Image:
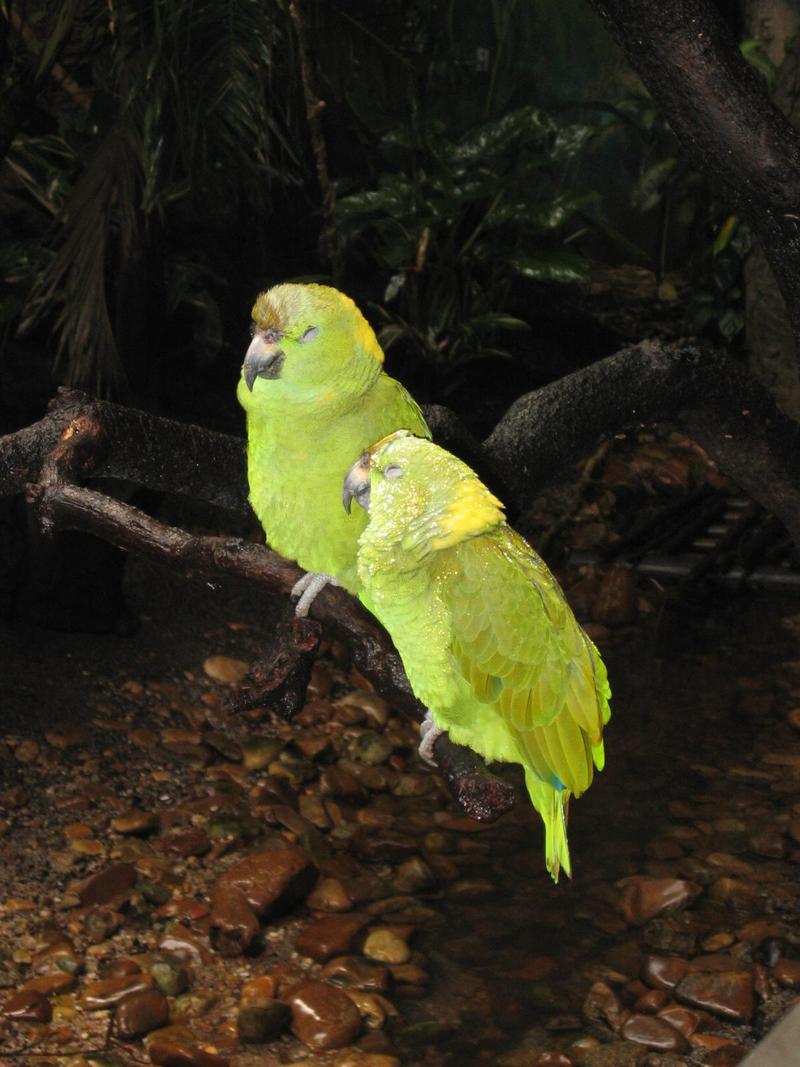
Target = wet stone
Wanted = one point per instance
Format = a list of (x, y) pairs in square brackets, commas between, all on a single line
[(135, 822), (787, 972), (259, 752), (190, 842), (664, 972), (371, 748), (170, 976), (139, 1013), (333, 935), (655, 1033), (643, 898), (225, 669), (108, 886), (357, 973), (234, 924), (340, 783), (271, 881), (262, 1020), (48, 984), (323, 1017), (685, 1020), (329, 895), (182, 1054), (98, 996), (59, 957), (386, 947), (651, 1002), (414, 875), (28, 1005), (602, 1004), (728, 994)]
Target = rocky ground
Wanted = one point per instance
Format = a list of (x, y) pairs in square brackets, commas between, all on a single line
[(188, 887)]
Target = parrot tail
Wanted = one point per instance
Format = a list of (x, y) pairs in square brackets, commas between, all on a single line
[(553, 806)]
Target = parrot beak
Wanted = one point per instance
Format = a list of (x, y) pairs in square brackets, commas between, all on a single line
[(264, 359), (356, 485)]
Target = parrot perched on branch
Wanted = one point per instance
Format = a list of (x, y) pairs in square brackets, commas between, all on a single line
[(488, 641), (316, 397)]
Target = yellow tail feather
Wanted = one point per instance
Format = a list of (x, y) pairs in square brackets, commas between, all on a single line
[(553, 807)]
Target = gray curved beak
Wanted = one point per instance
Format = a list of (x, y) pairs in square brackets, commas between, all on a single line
[(264, 359), (356, 485)]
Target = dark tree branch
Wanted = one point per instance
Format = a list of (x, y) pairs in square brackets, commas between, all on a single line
[(62, 505), (719, 108), (704, 390)]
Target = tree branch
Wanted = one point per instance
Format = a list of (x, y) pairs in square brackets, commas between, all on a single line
[(719, 108)]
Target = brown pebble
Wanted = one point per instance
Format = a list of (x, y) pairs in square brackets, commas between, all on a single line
[(603, 1004), (179, 1054), (358, 973), (67, 735), (651, 1002), (664, 972), (787, 972), (234, 924), (225, 669), (323, 1017), (111, 885), (139, 1013), (655, 1033), (329, 895), (135, 822), (57, 982), (97, 996), (725, 993), (386, 946), (685, 1020), (643, 898), (28, 1005), (333, 935), (271, 880)]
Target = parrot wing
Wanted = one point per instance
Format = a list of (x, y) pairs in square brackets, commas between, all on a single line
[(519, 647)]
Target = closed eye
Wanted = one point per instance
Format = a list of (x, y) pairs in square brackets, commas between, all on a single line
[(309, 334), (393, 471)]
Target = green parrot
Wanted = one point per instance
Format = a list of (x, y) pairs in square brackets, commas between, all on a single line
[(315, 395), (489, 643)]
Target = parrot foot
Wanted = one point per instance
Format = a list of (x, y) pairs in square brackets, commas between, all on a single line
[(430, 734), (307, 589)]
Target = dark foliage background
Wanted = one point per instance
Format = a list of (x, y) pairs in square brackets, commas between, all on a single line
[(495, 172)]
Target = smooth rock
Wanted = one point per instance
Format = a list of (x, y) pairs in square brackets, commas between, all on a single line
[(323, 1017), (58, 982), (787, 972), (664, 972), (135, 821), (180, 1054), (272, 880), (234, 924), (371, 748), (331, 936), (685, 1020), (655, 1033), (728, 994), (386, 947), (225, 669), (603, 1004), (139, 1013), (643, 898), (355, 972), (109, 886), (259, 752), (329, 894), (28, 1005), (651, 1002), (262, 1020), (97, 996)]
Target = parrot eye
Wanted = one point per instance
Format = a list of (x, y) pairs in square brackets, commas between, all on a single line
[(309, 334), (393, 471)]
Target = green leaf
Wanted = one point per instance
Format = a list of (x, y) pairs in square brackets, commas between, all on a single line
[(731, 322), (753, 51), (724, 234), (649, 189), (559, 265), (525, 124)]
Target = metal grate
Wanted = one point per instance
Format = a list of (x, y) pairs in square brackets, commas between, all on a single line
[(707, 535)]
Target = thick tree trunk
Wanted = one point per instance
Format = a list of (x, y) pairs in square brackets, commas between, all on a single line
[(720, 110)]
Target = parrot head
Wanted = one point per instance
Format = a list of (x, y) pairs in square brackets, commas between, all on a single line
[(420, 498), (308, 339)]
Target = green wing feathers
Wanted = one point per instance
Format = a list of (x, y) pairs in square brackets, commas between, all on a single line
[(518, 645)]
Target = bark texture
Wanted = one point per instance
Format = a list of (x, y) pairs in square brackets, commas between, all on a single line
[(720, 110)]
